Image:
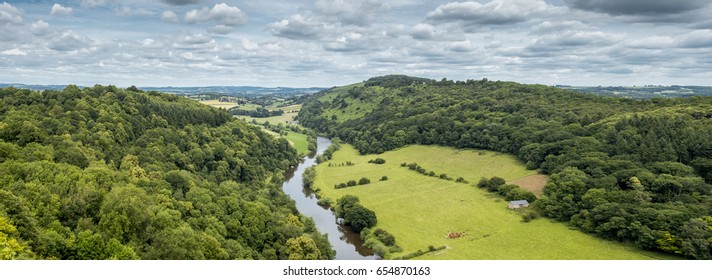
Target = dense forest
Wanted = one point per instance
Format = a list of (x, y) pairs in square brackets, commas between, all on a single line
[(108, 173), (637, 171)]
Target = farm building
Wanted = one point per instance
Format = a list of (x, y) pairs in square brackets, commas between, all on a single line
[(516, 204)]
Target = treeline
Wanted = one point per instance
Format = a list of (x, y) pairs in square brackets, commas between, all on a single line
[(107, 173), (257, 113), (630, 170)]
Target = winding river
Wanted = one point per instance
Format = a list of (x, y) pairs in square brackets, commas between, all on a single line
[(348, 244)]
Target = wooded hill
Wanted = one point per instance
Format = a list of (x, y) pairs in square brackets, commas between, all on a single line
[(635, 171), (107, 173)]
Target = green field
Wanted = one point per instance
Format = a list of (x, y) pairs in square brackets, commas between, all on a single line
[(298, 141), (287, 117), (421, 210)]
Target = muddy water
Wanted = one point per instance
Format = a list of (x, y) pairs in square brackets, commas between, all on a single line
[(348, 244)]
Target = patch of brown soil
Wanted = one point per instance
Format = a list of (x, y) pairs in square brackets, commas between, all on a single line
[(533, 183)]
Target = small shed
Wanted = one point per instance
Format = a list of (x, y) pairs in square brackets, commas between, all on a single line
[(516, 204)]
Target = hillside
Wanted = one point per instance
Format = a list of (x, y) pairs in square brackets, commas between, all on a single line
[(107, 173), (629, 170)]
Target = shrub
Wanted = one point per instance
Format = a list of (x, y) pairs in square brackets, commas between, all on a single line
[(325, 201), (377, 161), (384, 178), (351, 183), (364, 181)]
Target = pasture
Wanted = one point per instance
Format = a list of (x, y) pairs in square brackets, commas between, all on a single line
[(219, 104), (420, 211)]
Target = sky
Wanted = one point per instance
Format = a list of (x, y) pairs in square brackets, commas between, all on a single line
[(335, 42)]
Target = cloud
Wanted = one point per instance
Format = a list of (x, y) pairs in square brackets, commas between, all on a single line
[(637, 7), (169, 16), (220, 13), (40, 28), (93, 3), (14, 52), (570, 41), (69, 41), (652, 43), (298, 27), (181, 2), (548, 27), (10, 14), (423, 31), (462, 46), (59, 10), (495, 12), (354, 12), (194, 39), (220, 29), (696, 39)]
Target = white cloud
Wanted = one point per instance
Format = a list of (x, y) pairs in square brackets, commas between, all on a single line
[(59, 10), (93, 3), (40, 27), (220, 29), (14, 52), (423, 31), (196, 39), (169, 16), (495, 12), (353, 12), (653, 42), (220, 13), (298, 27), (69, 41), (10, 14)]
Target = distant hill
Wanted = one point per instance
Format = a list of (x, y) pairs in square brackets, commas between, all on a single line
[(217, 90), (644, 92)]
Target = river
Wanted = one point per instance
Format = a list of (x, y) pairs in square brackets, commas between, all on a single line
[(348, 244)]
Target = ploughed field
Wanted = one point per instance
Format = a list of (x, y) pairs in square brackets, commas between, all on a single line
[(421, 211)]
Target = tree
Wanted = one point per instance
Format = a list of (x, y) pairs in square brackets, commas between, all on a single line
[(303, 248), (10, 247), (364, 181), (359, 217)]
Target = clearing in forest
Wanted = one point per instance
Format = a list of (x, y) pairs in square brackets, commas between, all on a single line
[(534, 183), (421, 210)]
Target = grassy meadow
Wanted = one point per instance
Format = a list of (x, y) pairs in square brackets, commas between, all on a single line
[(219, 104), (290, 112), (421, 210)]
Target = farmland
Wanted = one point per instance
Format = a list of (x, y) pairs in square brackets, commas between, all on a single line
[(421, 210)]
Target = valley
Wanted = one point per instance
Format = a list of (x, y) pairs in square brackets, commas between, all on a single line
[(421, 210)]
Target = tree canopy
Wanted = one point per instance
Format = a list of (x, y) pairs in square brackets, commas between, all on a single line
[(107, 173)]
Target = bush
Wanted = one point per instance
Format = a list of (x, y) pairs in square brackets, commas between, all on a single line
[(377, 161), (325, 201), (351, 183), (403, 164), (384, 178), (385, 237), (364, 181)]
